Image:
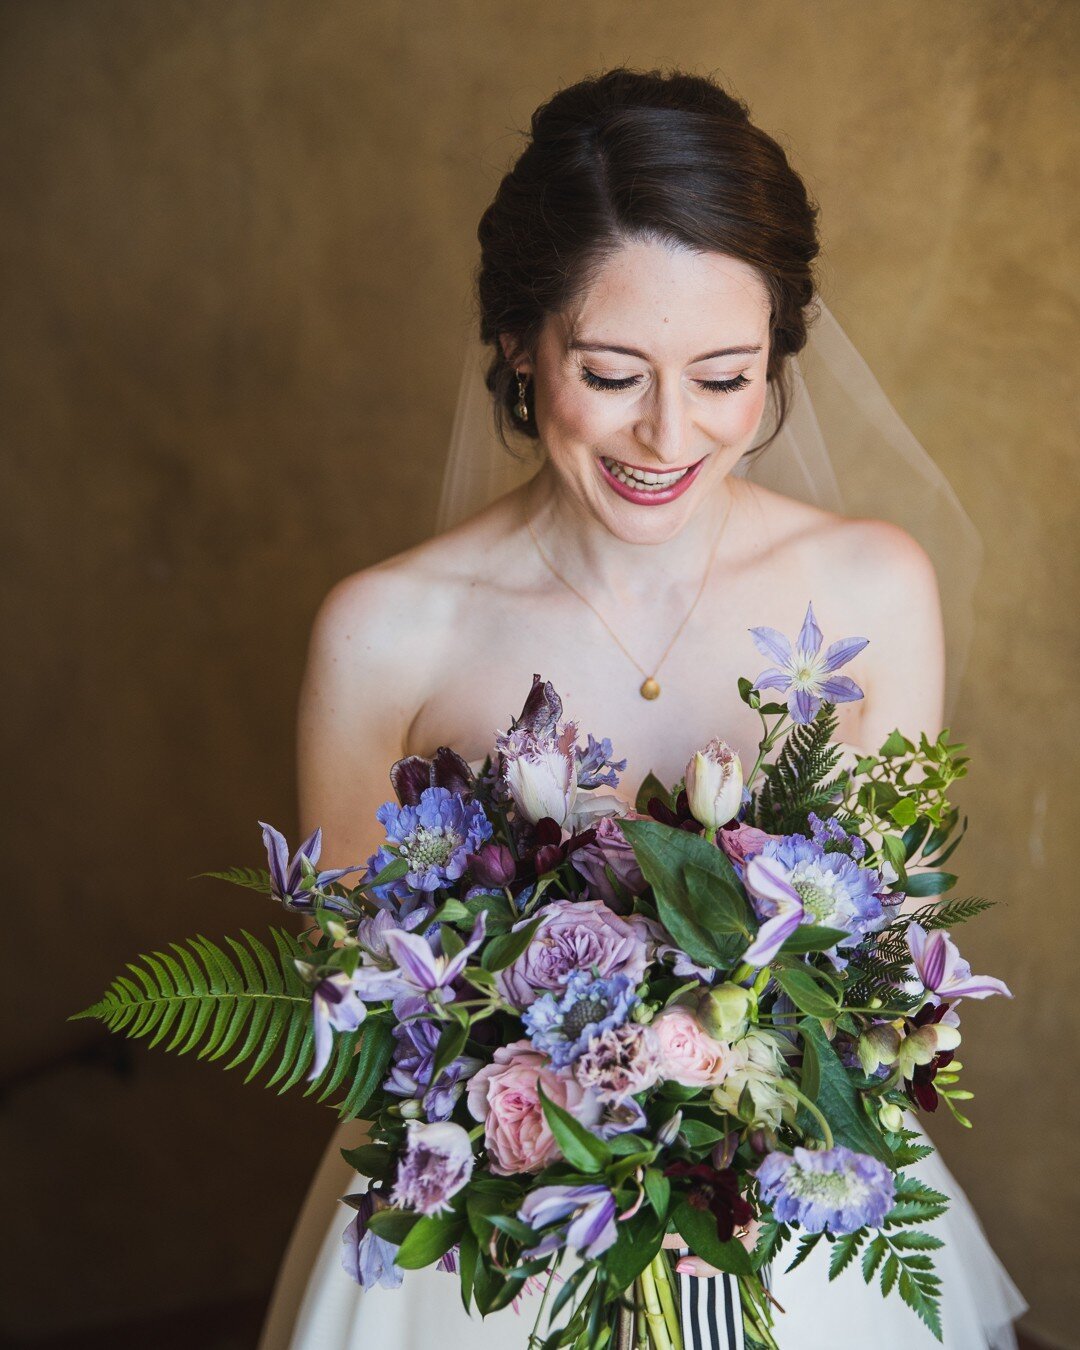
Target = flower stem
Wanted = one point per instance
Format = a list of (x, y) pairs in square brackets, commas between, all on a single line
[(534, 1335), (826, 1133), (662, 1277), (654, 1316), (757, 1317)]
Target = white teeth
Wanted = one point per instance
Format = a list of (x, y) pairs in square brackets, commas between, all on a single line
[(643, 479)]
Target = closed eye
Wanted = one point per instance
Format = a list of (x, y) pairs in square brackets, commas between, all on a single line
[(713, 386)]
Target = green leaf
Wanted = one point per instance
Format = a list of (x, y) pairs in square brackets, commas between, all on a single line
[(807, 1243), (393, 871), (370, 1160), (697, 892), (812, 937), (905, 812), (428, 1239), (838, 1100), (580, 1147), (504, 951), (394, 1225), (805, 992), (371, 1064), (699, 1134), (634, 1247), (929, 883), (873, 1257), (657, 1191), (468, 1250), (844, 1251), (451, 1043), (255, 1007), (651, 787), (697, 1227), (251, 878)]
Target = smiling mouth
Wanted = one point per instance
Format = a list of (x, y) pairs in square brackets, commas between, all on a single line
[(645, 480)]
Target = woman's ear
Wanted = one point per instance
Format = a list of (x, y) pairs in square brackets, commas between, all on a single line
[(511, 349)]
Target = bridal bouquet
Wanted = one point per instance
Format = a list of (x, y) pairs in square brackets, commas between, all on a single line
[(577, 1027)]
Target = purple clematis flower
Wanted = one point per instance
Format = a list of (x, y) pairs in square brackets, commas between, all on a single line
[(805, 673), (287, 875), (368, 1258), (339, 1003), (943, 971), (591, 1229), (423, 972), (417, 1038)]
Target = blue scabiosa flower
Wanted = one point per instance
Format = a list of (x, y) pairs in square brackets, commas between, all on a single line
[(792, 881), (804, 673), (838, 1190), (435, 836), (561, 1025)]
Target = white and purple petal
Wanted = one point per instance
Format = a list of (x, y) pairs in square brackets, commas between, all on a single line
[(770, 642)]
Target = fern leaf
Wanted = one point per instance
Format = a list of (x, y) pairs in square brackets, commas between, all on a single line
[(251, 878), (204, 998), (799, 780)]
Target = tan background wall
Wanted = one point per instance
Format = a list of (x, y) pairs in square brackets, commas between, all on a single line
[(238, 237)]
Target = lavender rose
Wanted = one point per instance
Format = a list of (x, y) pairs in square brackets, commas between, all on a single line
[(575, 935), (609, 849)]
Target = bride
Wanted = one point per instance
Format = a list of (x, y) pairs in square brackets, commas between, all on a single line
[(644, 287)]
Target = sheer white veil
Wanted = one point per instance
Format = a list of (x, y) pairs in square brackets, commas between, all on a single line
[(843, 447)]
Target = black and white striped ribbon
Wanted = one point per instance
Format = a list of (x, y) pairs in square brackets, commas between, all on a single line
[(711, 1312)]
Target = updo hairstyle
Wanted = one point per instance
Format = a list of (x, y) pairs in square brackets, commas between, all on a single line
[(640, 155)]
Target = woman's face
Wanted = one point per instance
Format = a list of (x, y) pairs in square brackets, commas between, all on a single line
[(649, 391)]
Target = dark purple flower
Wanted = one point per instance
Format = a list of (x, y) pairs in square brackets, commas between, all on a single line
[(410, 776), (591, 1213), (835, 1190), (716, 1191), (287, 875), (805, 673), (610, 850), (435, 837), (493, 866)]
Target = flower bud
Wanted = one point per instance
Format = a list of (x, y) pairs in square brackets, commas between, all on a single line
[(669, 1131), (411, 1109), (714, 784), (891, 1116), (492, 866), (723, 1153), (725, 1011)]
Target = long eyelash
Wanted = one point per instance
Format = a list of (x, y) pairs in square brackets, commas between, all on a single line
[(713, 386)]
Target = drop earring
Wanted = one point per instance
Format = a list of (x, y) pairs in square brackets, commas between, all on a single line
[(521, 408)]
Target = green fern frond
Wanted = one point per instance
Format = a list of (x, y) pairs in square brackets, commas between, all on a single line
[(800, 779), (251, 878), (204, 999)]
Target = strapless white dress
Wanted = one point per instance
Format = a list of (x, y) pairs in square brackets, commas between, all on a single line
[(317, 1306)]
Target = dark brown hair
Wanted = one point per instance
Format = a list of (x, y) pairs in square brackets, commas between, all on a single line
[(640, 155)]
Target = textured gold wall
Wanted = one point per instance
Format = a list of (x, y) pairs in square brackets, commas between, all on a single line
[(238, 237)]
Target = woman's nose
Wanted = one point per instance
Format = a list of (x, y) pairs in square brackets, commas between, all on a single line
[(663, 427)]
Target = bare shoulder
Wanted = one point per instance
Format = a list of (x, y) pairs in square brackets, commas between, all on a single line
[(386, 628), (871, 578)]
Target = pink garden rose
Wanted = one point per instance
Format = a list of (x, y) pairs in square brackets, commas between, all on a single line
[(575, 935), (688, 1054), (504, 1096), (611, 849)]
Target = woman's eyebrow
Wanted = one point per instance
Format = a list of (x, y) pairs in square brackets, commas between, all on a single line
[(579, 345)]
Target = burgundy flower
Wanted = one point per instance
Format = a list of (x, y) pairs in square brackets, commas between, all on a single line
[(920, 1086), (411, 775), (547, 848), (716, 1190), (680, 818)]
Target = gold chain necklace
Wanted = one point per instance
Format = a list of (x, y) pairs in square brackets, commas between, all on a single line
[(650, 686)]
